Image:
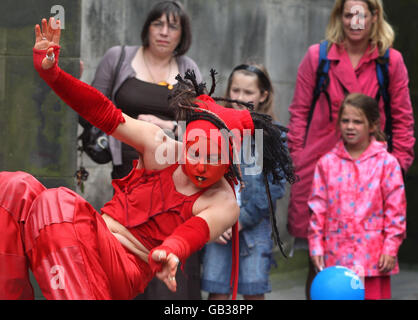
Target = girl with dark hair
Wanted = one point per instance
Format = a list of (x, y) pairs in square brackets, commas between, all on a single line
[(358, 201), (249, 83)]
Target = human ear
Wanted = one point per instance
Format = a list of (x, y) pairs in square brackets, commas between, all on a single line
[(264, 95), (372, 128)]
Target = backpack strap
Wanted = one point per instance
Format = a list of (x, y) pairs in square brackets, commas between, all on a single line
[(321, 84), (117, 70), (382, 73)]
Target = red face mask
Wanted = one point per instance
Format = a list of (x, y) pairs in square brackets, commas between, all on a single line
[(203, 162)]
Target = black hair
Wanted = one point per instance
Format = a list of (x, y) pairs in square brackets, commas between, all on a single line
[(276, 157), (168, 8)]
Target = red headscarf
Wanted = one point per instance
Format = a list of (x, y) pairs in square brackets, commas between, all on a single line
[(235, 120)]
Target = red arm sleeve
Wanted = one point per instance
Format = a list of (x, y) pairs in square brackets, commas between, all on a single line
[(185, 240), (88, 102)]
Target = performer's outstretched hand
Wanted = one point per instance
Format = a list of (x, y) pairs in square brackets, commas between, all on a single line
[(47, 37), (169, 268)]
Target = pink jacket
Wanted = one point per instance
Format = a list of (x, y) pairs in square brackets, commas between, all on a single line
[(358, 208), (322, 134)]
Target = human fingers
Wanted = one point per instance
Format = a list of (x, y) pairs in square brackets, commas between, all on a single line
[(41, 43), (226, 235), (321, 263), (130, 246), (81, 68), (169, 280), (385, 263), (390, 263), (49, 29), (38, 33), (49, 59), (171, 283), (172, 264), (127, 234), (145, 117), (159, 255), (56, 32), (317, 262), (382, 264), (169, 269), (221, 240), (44, 25)]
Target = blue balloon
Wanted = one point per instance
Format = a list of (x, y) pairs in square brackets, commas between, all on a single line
[(337, 283)]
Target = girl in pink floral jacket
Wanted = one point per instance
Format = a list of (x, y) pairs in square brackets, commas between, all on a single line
[(358, 201)]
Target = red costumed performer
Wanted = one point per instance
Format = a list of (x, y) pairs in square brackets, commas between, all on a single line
[(160, 212)]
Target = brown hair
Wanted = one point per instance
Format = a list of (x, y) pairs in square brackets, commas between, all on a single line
[(264, 84), (168, 8), (370, 109), (382, 34)]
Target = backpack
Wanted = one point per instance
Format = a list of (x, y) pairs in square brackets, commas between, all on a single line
[(322, 82)]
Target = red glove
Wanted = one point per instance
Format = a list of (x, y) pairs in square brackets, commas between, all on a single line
[(186, 239), (88, 102)]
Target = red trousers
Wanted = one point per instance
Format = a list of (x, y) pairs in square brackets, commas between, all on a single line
[(65, 242), (377, 288)]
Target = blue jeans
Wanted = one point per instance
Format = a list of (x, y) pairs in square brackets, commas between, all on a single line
[(254, 267)]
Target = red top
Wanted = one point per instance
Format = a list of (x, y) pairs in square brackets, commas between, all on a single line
[(148, 204)]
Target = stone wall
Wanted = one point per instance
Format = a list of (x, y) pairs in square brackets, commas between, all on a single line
[(226, 33), (38, 132)]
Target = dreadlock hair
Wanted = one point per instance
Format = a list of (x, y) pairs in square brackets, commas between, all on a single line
[(275, 152), (276, 158)]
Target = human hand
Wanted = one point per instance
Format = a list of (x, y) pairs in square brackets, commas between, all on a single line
[(169, 268), (225, 237), (126, 238), (81, 68), (163, 124), (386, 263), (47, 37), (318, 262)]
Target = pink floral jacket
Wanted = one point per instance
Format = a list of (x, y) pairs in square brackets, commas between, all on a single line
[(358, 208)]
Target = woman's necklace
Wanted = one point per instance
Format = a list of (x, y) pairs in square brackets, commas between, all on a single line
[(161, 83)]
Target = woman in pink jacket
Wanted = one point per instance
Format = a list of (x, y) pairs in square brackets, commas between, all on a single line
[(358, 201), (353, 53)]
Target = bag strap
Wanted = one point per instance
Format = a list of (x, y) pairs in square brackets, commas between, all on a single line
[(85, 124), (382, 73), (117, 70), (321, 84)]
